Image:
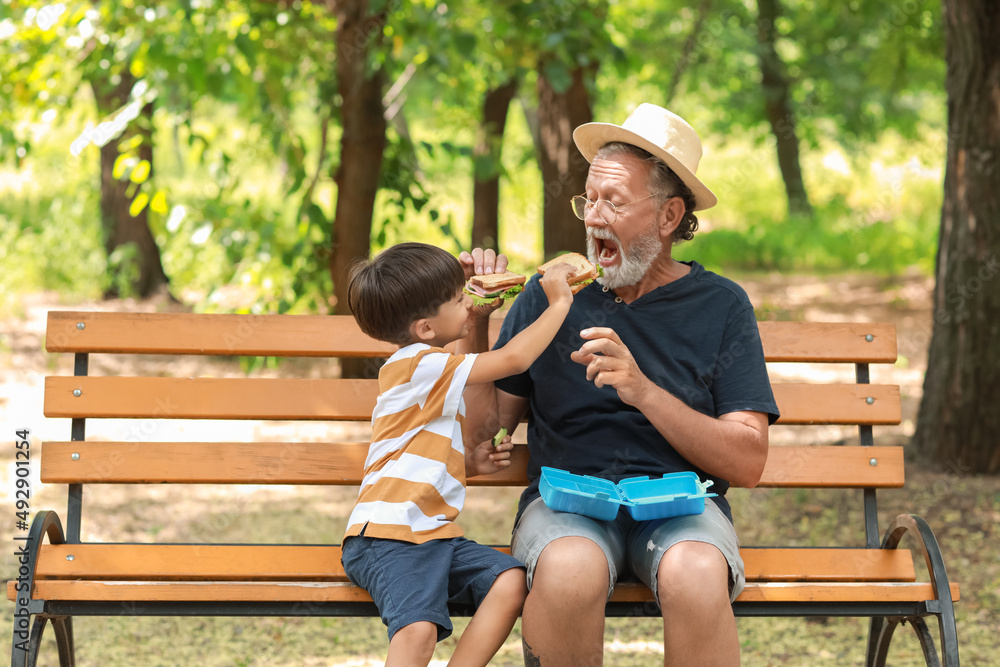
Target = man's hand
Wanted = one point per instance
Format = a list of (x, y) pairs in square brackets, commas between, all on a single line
[(486, 459), (609, 363), (482, 262)]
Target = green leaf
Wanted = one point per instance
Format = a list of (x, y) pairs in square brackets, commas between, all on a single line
[(140, 172), (558, 75), (159, 203), (121, 164), (138, 204), (465, 43)]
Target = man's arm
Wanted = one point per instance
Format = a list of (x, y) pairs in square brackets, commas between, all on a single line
[(732, 446)]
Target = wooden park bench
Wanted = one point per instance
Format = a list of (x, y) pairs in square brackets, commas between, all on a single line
[(67, 577)]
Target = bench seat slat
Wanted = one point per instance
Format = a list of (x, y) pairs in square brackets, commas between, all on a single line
[(322, 563), (343, 463), (339, 336), (353, 400), (336, 591)]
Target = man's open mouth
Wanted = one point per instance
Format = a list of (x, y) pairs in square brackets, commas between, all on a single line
[(607, 251)]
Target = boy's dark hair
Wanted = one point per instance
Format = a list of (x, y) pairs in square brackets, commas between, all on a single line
[(401, 285)]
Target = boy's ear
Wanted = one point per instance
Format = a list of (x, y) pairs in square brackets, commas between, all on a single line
[(421, 330)]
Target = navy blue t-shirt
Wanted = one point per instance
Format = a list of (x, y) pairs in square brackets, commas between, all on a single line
[(695, 337)]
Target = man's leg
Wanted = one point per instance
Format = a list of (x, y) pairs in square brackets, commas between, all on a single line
[(698, 623), (693, 565), (572, 561), (563, 618)]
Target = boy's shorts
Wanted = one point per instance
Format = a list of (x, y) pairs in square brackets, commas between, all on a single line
[(415, 582), (629, 545)]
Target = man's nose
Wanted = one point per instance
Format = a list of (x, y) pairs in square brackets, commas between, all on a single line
[(592, 218)]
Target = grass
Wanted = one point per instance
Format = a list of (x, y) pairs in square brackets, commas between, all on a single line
[(965, 513)]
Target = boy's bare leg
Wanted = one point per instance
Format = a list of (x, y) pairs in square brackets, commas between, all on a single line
[(412, 645), (563, 620), (491, 624), (699, 627)]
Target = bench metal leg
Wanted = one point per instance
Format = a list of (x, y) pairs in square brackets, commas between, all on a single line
[(35, 642), (879, 637), (882, 630), (926, 642), (63, 628), (45, 524), (942, 606)]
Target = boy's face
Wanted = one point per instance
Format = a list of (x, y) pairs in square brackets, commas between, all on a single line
[(450, 323)]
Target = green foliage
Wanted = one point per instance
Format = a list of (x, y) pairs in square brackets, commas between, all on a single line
[(48, 242), (240, 187)]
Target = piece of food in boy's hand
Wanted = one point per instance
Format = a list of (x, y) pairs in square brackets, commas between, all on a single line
[(498, 438), (489, 287), (584, 271)]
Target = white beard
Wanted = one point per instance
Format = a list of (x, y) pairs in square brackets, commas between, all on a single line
[(634, 261)]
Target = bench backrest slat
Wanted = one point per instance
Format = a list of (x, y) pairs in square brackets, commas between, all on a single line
[(343, 463), (339, 336), (829, 342), (353, 400)]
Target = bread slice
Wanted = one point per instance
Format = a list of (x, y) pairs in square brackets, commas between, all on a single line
[(584, 271), (491, 282)]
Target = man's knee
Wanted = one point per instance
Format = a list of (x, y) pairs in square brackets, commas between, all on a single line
[(692, 573), (572, 568)]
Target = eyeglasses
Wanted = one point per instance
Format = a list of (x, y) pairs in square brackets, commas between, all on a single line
[(606, 211)]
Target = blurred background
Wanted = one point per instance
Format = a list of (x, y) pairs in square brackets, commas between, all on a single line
[(237, 154)]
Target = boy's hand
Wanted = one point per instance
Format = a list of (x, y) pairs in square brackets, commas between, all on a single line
[(487, 459), (555, 282)]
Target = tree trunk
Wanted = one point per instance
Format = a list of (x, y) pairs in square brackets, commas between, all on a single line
[(778, 108), (564, 169), (958, 421), (486, 160), (120, 227), (361, 146), (684, 59)]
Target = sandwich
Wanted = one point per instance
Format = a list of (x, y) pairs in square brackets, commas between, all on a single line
[(584, 272), (492, 286)]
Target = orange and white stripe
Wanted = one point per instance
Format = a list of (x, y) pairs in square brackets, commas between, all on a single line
[(414, 480)]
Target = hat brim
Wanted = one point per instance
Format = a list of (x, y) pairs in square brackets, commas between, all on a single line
[(590, 137)]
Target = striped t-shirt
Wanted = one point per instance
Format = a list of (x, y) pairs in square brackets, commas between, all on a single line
[(414, 479)]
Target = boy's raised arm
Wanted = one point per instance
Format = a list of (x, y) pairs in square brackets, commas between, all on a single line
[(522, 350)]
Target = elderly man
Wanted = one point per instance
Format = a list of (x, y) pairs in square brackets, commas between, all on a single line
[(658, 369)]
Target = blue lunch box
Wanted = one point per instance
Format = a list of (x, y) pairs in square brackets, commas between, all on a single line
[(675, 494)]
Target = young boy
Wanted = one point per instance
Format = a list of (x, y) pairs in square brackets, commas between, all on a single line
[(402, 544)]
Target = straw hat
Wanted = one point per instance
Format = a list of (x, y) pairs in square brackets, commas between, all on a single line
[(663, 133)]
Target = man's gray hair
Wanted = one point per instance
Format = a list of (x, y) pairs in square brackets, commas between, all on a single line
[(663, 184)]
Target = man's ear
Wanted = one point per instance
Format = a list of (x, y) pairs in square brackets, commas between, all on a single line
[(670, 215), (422, 330)]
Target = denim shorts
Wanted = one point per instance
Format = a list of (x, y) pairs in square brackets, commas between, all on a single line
[(631, 547), (415, 582)]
